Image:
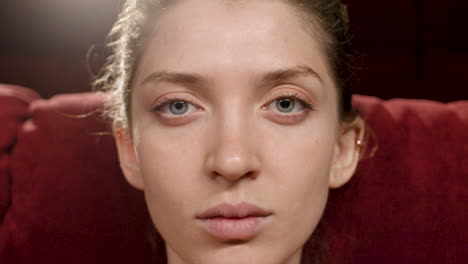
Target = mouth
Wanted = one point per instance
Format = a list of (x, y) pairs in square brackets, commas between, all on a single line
[(233, 222)]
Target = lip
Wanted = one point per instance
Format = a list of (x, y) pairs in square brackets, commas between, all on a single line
[(229, 222)]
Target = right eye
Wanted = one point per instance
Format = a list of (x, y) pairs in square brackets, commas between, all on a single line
[(179, 107), (174, 106)]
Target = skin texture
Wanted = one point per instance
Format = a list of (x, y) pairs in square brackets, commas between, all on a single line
[(233, 144)]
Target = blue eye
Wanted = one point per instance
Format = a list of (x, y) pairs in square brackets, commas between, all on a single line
[(174, 106), (178, 108), (285, 105), (290, 104)]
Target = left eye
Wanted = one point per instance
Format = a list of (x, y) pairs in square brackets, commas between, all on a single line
[(286, 105)]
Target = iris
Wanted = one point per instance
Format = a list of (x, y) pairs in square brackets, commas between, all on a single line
[(285, 105), (178, 108)]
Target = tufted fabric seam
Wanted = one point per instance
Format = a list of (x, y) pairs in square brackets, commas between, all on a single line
[(27, 97)]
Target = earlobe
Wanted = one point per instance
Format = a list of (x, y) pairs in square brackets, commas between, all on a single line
[(346, 154), (128, 158)]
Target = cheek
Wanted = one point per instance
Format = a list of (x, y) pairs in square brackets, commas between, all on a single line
[(171, 172), (299, 157), (298, 169)]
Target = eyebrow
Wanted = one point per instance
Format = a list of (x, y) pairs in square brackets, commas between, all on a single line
[(191, 79), (265, 79), (281, 75)]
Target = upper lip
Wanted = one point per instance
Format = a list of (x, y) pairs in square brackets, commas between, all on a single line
[(234, 211)]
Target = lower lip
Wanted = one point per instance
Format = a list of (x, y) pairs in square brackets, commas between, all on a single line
[(233, 228)]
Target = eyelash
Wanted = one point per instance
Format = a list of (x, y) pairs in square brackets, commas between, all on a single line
[(161, 102), (295, 97)]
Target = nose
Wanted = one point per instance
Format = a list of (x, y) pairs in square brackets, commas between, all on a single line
[(233, 153)]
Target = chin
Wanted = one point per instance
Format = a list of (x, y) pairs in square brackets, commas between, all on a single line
[(242, 253)]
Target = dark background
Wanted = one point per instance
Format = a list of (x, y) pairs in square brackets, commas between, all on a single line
[(410, 48)]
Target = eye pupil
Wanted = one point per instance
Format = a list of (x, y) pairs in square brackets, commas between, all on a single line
[(285, 105), (178, 108), (179, 105)]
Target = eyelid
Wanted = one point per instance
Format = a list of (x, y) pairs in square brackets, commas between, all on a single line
[(162, 101), (295, 95)]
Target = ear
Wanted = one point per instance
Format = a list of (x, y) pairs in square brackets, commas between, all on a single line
[(128, 157), (346, 153)]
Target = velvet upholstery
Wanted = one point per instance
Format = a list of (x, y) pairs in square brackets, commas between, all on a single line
[(63, 198)]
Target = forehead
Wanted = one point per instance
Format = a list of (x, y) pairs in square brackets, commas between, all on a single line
[(206, 36)]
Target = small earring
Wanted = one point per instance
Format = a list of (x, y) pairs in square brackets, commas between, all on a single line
[(359, 143)]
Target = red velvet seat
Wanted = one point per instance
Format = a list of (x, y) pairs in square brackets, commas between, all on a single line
[(63, 198)]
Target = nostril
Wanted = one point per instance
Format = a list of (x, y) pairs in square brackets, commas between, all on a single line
[(215, 174), (234, 176), (252, 174)]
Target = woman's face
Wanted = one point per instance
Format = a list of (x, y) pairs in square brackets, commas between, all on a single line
[(232, 105)]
